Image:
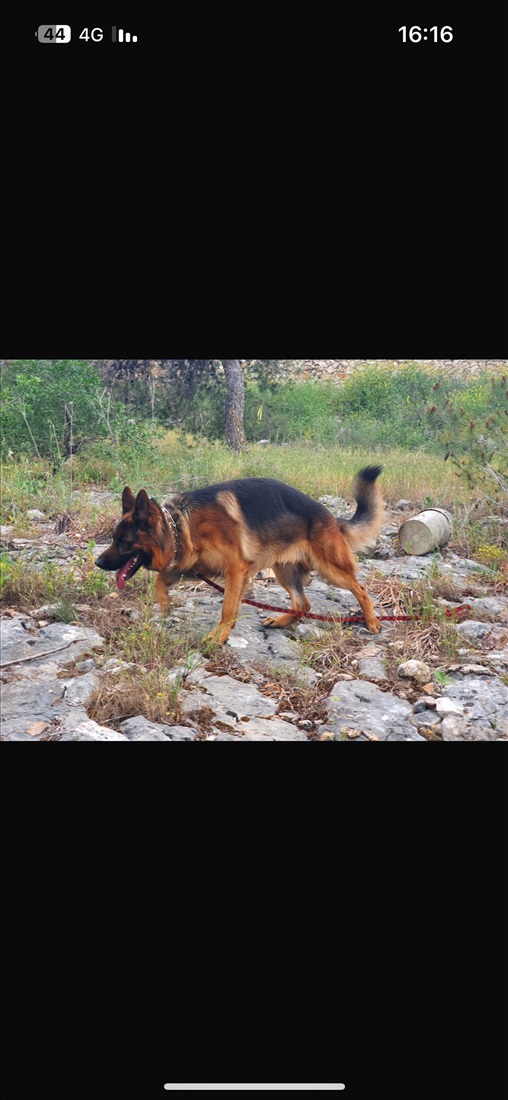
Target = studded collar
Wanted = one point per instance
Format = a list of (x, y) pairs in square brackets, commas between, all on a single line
[(170, 519)]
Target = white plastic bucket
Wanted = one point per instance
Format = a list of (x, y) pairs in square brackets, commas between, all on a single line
[(426, 532)]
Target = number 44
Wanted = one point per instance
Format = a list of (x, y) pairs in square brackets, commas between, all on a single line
[(96, 35), (59, 34)]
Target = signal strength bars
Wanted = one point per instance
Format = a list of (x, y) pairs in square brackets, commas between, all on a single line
[(123, 36)]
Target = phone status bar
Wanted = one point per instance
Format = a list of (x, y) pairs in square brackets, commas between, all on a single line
[(56, 33)]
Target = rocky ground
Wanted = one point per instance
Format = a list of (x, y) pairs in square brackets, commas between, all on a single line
[(393, 687)]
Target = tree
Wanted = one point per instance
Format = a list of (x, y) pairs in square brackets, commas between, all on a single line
[(235, 404), (186, 377)]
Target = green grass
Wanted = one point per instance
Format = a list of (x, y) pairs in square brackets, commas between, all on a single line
[(314, 469), (31, 584), (21, 583), (173, 464)]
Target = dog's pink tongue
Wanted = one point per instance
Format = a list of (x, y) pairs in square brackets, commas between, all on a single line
[(121, 576)]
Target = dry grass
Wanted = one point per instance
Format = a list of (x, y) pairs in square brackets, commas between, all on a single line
[(221, 661), (330, 654), (146, 643), (396, 597), (430, 642), (86, 522), (309, 703), (203, 719), (133, 692)]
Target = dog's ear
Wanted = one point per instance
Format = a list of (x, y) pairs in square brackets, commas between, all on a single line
[(128, 500), (142, 510)]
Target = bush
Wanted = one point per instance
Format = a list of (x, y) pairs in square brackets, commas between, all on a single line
[(292, 412), (199, 410), (35, 393), (473, 431), (377, 391), (390, 407), (377, 407)]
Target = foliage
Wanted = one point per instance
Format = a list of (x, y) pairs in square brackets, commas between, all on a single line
[(34, 583), (476, 439), (291, 412), (376, 407), (389, 406), (121, 406), (35, 394)]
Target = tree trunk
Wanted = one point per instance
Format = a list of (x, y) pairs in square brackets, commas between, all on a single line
[(235, 404)]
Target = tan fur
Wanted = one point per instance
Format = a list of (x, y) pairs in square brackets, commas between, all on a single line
[(249, 545), (360, 537)]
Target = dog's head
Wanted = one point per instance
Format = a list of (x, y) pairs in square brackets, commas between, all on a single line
[(141, 539)]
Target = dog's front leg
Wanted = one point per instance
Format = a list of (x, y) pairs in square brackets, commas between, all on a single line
[(161, 591), (236, 582)]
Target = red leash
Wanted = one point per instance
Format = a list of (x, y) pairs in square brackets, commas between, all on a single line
[(450, 613)]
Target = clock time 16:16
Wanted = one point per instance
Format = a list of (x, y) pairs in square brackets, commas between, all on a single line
[(419, 34)]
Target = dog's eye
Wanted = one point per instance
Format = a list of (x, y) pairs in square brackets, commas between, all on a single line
[(124, 546)]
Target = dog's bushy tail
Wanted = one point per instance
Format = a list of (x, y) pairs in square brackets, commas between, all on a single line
[(367, 522)]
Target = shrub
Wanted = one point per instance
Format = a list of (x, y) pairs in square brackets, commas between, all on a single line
[(35, 395), (477, 444)]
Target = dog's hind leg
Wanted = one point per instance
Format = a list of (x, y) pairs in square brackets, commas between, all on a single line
[(292, 577), (343, 576), (365, 602)]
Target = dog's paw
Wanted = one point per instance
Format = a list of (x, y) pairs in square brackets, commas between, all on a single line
[(280, 621), (219, 636), (375, 627)]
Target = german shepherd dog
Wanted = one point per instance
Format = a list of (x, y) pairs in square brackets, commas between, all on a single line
[(238, 528)]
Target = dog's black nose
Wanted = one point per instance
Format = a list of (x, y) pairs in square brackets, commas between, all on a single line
[(100, 562)]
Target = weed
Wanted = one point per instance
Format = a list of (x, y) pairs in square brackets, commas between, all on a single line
[(451, 642), (433, 572), (494, 556), (294, 694), (95, 585), (63, 611), (31, 584), (442, 679)]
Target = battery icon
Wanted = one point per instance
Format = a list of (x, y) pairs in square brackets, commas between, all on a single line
[(53, 32)]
